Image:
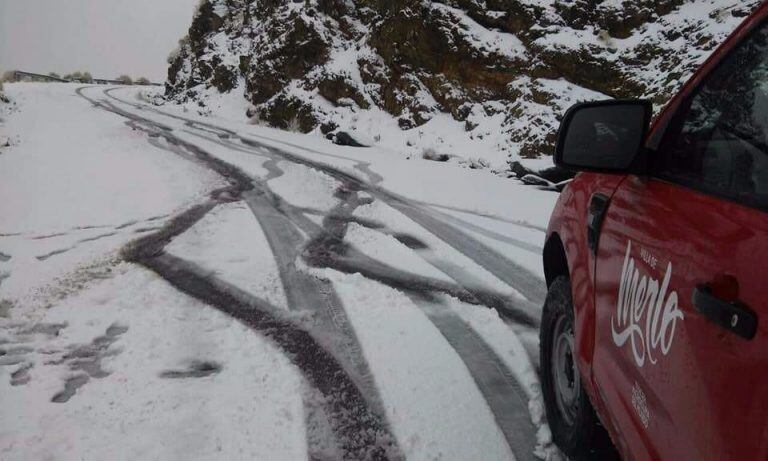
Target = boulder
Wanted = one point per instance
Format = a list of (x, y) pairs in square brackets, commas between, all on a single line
[(342, 138)]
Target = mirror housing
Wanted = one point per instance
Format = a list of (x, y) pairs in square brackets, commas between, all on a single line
[(605, 136)]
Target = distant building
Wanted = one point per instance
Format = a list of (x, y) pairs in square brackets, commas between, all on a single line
[(22, 76)]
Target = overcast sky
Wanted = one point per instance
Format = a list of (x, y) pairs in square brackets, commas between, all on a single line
[(105, 37)]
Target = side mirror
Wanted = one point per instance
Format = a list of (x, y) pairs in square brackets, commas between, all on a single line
[(605, 136)]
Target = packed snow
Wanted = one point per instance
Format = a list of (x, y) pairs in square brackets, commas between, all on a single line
[(78, 186), (104, 358)]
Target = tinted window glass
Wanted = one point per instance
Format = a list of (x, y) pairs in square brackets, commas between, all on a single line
[(607, 135), (721, 141)]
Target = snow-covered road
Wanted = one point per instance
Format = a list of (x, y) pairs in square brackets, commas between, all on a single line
[(172, 286)]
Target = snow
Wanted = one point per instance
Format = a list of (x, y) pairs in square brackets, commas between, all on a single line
[(229, 242), (508, 346), (442, 133), (81, 182), (82, 147), (436, 248), (253, 405), (520, 238), (258, 404), (435, 407), (435, 183), (485, 40), (489, 140), (246, 161), (230, 105), (674, 34), (305, 188), (388, 250)]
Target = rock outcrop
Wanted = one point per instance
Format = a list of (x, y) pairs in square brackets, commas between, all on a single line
[(488, 78)]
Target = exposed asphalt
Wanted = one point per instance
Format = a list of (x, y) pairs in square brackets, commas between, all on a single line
[(325, 347)]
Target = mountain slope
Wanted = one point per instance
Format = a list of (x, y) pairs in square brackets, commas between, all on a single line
[(472, 78)]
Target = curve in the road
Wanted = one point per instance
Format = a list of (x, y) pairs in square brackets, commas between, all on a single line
[(510, 272), (282, 222), (362, 431)]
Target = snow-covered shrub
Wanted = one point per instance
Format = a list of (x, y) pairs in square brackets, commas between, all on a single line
[(77, 76), (4, 99), (150, 97), (294, 125), (9, 76), (125, 79), (475, 163), (255, 119)]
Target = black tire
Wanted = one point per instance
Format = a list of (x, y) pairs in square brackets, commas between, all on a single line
[(572, 419)]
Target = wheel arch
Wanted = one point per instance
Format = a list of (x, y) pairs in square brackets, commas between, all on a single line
[(555, 259)]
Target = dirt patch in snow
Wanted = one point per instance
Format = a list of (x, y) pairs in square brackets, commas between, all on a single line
[(195, 369)]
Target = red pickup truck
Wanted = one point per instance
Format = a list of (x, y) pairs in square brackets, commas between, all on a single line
[(655, 326)]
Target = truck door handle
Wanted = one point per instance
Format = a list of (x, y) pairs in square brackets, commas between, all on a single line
[(734, 316), (598, 205)]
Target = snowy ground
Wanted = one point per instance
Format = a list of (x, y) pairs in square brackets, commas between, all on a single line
[(179, 287)]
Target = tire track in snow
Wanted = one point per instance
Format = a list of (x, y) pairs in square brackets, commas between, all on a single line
[(506, 398), (515, 222), (522, 312), (505, 269), (362, 431), (513, 274), (348, 260), (328, 250), (308, 293), (285, 228), (225, 133), (532, 285), (510, 272), (535, 249), (76, 244), (53, 253), (97, 237), (504, 394), (48, 236)]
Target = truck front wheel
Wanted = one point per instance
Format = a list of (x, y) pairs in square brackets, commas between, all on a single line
[(572, 420)]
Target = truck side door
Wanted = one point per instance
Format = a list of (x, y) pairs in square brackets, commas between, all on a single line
[(682, 277)]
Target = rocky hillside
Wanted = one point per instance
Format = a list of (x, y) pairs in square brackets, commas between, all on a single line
[(485, 79)]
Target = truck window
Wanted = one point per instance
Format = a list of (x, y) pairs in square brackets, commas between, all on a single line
[(719, 142)]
